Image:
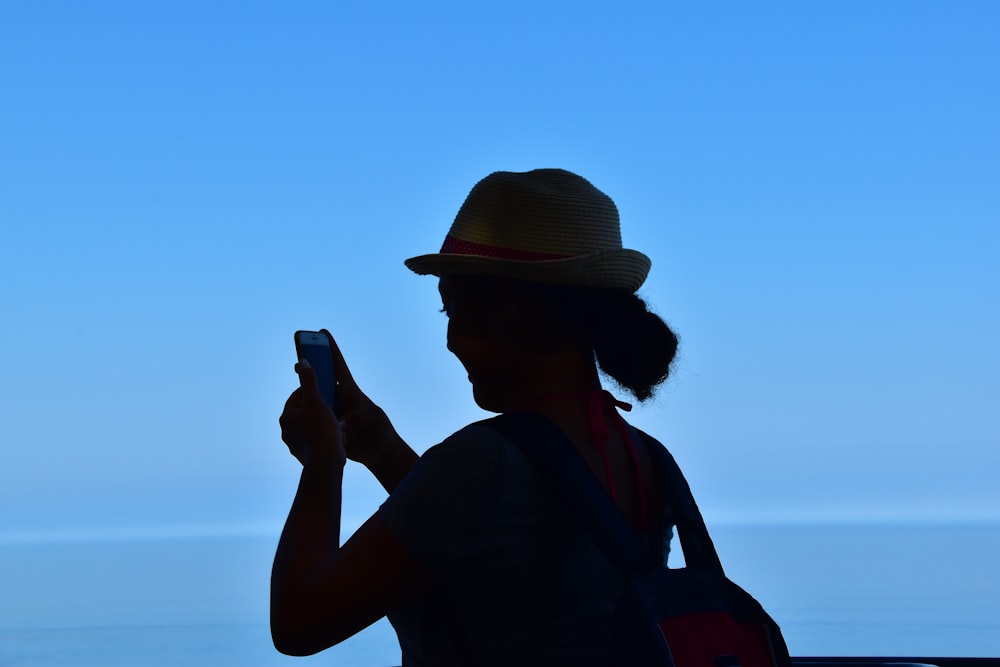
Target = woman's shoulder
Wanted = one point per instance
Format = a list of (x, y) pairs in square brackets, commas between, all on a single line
[(470, 447), (468, 462)]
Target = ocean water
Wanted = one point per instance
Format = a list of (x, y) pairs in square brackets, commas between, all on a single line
[(891, 590)]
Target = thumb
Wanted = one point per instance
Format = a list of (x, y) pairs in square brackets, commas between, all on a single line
[(308, 381)]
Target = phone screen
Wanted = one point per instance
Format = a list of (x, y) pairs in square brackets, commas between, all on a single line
[(314, 347)]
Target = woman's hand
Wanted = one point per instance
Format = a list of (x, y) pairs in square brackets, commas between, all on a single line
[(308, 425)]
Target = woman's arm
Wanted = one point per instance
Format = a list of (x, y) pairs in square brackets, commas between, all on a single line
[(322, 593)]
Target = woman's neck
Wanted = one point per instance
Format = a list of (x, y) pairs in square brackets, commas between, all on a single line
[(564, 373)]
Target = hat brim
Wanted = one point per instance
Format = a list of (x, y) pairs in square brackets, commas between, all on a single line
[(616, 268)]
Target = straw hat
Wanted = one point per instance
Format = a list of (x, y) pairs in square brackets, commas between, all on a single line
[(546, 225)]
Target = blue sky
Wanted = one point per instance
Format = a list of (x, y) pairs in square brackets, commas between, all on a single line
[(183, 185)]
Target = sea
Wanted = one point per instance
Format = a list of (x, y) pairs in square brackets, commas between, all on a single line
[(835, 590)]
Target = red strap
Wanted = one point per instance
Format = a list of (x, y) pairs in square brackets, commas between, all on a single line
[(596, 402), (456, 246)]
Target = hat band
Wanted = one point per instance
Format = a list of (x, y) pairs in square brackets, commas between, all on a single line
[(456, 246)]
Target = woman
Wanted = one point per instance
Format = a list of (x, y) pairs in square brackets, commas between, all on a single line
[(470, 556)]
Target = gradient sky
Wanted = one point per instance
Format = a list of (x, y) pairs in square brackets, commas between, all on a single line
[(184, 184)]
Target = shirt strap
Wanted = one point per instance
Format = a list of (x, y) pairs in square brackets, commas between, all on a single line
[(597, 401)]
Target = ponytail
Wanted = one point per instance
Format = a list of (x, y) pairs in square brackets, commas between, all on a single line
[(632, 345)]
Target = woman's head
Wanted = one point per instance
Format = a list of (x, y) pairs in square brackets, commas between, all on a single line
[(534, 265)]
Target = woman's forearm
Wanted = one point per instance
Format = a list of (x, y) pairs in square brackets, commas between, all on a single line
[(308, 545), (373, 442), (394, 461)]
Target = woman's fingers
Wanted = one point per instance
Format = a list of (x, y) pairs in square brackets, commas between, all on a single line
[(344, 378), (308, 426), (290, 422)]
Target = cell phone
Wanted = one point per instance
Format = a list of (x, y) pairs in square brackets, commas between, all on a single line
[(314, 347)]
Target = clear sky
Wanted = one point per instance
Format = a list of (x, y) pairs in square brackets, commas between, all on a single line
[(184, 184)]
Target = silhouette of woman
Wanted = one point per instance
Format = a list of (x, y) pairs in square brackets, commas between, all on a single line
[(469, 556)]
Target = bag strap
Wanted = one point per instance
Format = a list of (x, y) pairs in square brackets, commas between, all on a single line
[(696, 542), (583, 498)]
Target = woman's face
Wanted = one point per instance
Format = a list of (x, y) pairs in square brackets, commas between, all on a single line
[(479, 335)]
